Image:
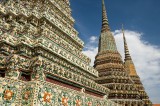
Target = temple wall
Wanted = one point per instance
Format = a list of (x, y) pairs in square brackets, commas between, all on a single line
[(42, 93)]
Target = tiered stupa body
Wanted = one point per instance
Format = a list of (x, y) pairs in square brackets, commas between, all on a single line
[(112, 73), (41, 59), (131, 70)]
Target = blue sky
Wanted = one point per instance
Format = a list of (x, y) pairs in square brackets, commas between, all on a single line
[(141, 19), (140, 15)]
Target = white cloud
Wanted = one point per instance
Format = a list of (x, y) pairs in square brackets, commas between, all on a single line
[(93, 39), (91, 48), (146, 58), (91, 53)]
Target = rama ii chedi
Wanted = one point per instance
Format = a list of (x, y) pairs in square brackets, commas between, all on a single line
[(42, 64)]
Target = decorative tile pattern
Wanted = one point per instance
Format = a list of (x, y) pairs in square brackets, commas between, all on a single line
[(37, 37), (40, 93)]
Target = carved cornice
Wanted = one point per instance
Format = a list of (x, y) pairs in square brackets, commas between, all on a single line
[(51, 47), (42, 65), (16, 10)]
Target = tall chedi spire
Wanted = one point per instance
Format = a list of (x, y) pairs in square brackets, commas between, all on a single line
[(105, 24), (112, 73), (106, 41), (41, 53), (127, 55), (129, 66)]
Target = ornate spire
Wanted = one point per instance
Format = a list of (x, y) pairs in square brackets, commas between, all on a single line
[(106, 41), (127, 54), (128, 60), (129, 66), (105, 24)]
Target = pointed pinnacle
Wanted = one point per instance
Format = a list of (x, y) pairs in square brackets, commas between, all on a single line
[(105, 24), (126, 50)]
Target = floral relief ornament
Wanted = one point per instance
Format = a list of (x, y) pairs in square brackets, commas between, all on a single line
[(27, 95), (47, 97), (8, 94), (89, 103), (65, 101), (78, 103)]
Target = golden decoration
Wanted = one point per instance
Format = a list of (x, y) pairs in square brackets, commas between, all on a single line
[(26, 95), (47, 97), (65, 101), (8, 94), (89, 103), (78, 103)]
